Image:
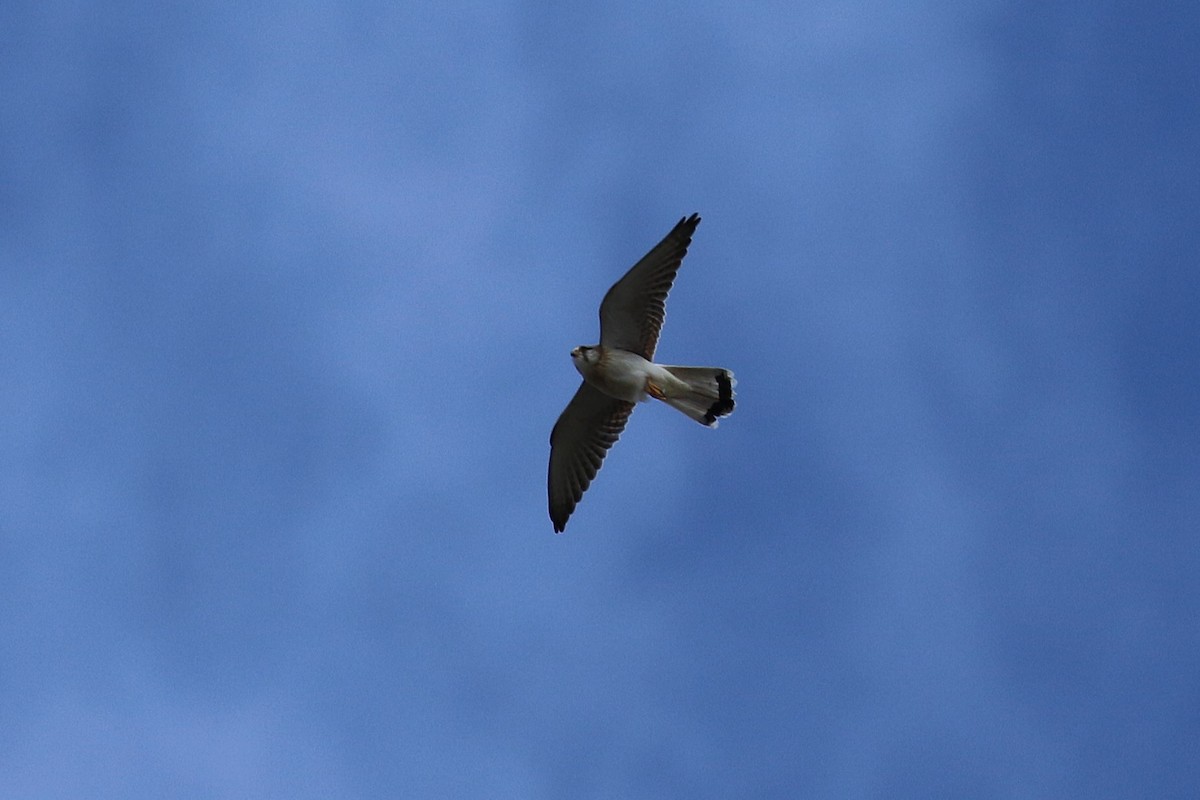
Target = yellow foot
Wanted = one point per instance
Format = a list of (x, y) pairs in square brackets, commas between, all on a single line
[(654, 391)]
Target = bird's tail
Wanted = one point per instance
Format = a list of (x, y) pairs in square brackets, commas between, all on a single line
[(703, 393)]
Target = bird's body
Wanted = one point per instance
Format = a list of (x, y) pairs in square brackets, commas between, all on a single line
[(620, 372), (703, 393)]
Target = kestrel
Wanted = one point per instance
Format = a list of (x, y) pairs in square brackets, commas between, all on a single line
[(620, 372)]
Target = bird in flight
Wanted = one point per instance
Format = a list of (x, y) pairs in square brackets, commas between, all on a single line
[(620, 372)]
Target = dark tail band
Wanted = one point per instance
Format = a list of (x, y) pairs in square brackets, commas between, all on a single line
[(724, 404)]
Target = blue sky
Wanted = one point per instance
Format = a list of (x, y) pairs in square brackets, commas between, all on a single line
[(286, 300)]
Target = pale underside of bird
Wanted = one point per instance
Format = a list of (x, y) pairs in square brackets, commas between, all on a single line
[(620, 372)]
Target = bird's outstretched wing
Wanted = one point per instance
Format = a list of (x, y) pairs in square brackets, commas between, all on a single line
[(588, 426), (632, 313)]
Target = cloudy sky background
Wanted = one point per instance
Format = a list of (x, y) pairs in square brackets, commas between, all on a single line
[(286, 300)]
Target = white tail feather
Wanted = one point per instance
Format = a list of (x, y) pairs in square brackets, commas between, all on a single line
[(703, 393)]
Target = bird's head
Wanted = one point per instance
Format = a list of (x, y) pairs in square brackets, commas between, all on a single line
[(585, 355)]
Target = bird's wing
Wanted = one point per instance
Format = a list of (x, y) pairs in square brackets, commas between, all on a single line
[(589, 425), (632, 313)]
